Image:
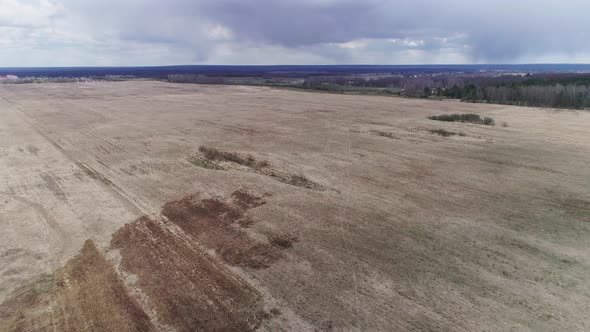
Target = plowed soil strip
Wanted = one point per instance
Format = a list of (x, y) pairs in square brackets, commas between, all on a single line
[(84, 295), (187, 288)]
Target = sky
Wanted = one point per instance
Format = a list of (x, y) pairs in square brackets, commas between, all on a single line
[(167, 32)]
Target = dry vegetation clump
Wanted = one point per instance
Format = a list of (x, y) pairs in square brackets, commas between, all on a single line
[(300, 181), (445, 133), (213, 154), (489, 121), (284, 241), (292, 179), (204, 163), (209, 157), (464, 118), (384, 134), (297, 180)]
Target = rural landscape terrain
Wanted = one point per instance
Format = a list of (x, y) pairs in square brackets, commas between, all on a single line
[(156, 206)]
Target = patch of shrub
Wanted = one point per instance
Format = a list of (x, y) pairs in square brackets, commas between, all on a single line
[(214, 154), (489, 121), (442, 132), (283, 241), (301, 181), (464, 117), (384, 134), (204, 163), (293, 179)]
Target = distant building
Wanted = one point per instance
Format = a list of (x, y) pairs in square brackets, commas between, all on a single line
[(8, 77)]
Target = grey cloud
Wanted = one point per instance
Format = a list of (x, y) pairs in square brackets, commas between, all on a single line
[(493, 30), (329, 31)]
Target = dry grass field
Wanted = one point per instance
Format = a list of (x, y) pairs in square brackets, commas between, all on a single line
[(138, 206)]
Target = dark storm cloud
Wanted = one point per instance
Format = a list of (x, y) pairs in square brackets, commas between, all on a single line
[(275, 31), (493, 30), (301, 23)]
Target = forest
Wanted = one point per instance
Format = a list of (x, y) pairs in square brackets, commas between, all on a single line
[(560, 90)]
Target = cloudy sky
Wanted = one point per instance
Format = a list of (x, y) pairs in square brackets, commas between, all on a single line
[(162, 32)]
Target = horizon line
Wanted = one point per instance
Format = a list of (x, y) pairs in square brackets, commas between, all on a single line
[(302, 65)]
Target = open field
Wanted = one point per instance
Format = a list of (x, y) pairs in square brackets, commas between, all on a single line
[(152, 206)]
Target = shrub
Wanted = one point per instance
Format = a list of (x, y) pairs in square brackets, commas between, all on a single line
[(214, 154), (465, 118), (442, 132), (384, 134), (204, 162), (300, 181), (284, 241)]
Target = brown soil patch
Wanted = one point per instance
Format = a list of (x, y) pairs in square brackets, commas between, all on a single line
[(246, 200), (84, 295), (188, 289), (215, 224)]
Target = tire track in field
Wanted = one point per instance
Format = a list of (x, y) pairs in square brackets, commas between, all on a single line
[(50, 221), (100, 178)]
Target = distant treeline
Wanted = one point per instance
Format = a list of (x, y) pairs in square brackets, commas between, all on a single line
[(558, 95), (193, 78), (561, 90), (301, 71)]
